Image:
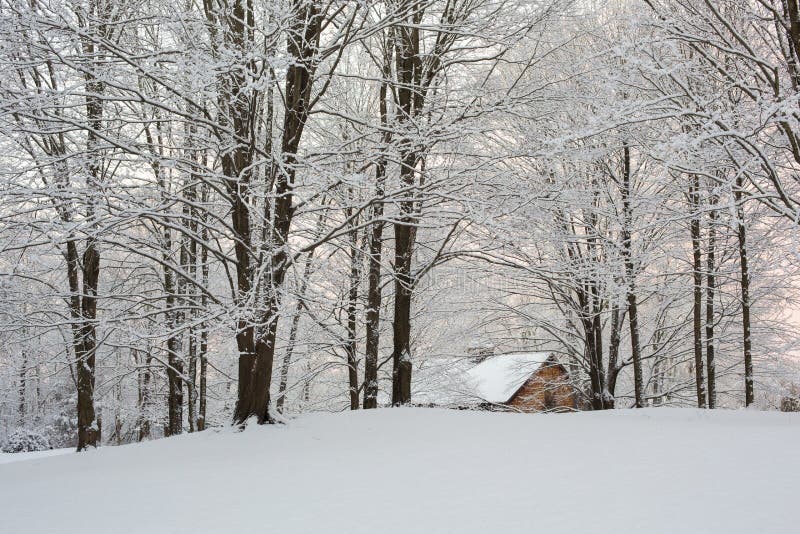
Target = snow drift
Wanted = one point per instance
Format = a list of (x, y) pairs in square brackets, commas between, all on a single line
[(429, 471)]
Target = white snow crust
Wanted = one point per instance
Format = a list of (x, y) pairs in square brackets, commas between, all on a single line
[(429, 471)]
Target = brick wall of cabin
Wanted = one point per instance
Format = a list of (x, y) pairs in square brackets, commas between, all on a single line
[(547, 390)]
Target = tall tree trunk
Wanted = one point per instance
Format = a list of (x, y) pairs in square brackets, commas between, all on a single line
[(374, 297), (410, 100), (255, 366), (744, 271), (661, 363), (373, 308), (597, 332), (174, 360), (697, 277), (190, 245), (352, 310), (88, 430), (40, 400), (232, 31), (630, 278), (203, 391), (88, 427), (23, 372), (636, 355), (144, 395), (401, 327), (586, 299), (613, 359), (174, 365), (710, 295), (118, 423), (203, 348)]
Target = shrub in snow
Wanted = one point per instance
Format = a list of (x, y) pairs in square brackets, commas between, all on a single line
[(790, 403), (22, 440), (62, 429)]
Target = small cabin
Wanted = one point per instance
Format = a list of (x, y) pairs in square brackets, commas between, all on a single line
[(527, 382), (524, 382)]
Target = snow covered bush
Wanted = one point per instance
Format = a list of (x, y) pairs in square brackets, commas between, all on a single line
[(790, 403), (62, 429), (22, 440)]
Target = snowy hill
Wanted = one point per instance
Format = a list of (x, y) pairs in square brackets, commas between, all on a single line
[(429, 471)]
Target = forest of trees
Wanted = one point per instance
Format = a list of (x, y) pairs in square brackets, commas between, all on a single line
[(213, 211)]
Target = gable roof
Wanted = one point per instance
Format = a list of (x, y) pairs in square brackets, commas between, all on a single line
[(461, 382), (496, 379)]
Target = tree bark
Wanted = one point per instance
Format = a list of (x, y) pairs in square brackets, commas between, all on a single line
[(174, 360), (697, 277), (351, 346), (23, 372), (630, 278), (88, 427), (710, 295), (744, 271), (410, 100), (257, 348), (613, 358), (401, 327), (144, 395), (189, 244), (374, 297), (203, 349)]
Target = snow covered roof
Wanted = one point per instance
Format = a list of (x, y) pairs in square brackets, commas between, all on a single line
[(498, 378), (459, 381)]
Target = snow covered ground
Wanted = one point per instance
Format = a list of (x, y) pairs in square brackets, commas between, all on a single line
[(6, 458), (418, 471)]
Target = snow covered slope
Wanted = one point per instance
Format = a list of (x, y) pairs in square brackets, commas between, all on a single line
[(6, 458), (418, 471)]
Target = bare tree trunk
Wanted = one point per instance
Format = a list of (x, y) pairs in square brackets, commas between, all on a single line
[(661, 363), (232, 30), (174, 365), (23, 372), (118, 404), (174, 361), (745, 286), (190, 245), (88, 427), (203, 349), (594, 354), (410, 101), (697, 276), (613, 359), (401, 355), (257, 349), (374, 297), (88, 431), (40, 400), (710, 294), (352, 310), (203, 392), (597, 332), (191, 382), (306, 393), (630, 276), (373, 308), (144, 395)]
